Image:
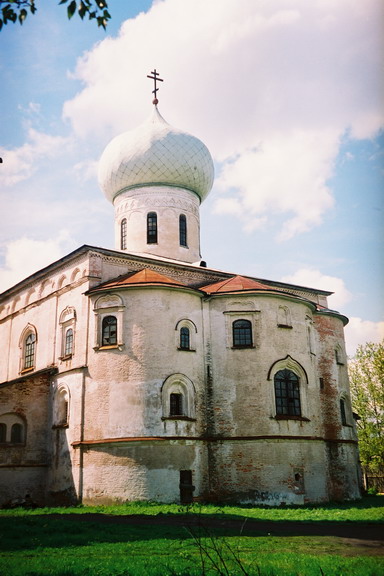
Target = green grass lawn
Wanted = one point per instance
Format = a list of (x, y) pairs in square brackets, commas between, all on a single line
[(50, 542)]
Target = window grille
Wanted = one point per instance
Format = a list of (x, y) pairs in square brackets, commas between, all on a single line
[(184, 338), (183, 230), (242, 334), (29, 356), (287, 393), (109, 331), (68, 342), (152, 228), (123, 234)]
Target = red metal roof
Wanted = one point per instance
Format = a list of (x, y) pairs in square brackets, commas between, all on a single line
[(234, 284), (145, 277)]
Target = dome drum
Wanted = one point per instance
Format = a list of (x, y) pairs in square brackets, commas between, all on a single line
[(168, 206)]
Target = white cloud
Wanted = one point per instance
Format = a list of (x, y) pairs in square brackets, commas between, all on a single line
[(19, 164), (313, 278), (271, 87), (287, 174), (357, 331), (26, 256), (360, 331)]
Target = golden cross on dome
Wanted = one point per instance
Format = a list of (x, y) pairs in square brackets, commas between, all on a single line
[(155, 79)]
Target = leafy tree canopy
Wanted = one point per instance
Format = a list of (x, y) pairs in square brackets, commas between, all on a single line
[(366, 373), (17, 10)]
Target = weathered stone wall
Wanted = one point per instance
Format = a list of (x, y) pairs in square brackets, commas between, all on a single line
[(124, 387), (24, 465), (141, 470)]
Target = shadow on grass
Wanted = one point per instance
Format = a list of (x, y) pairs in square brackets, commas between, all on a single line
[(71, 529)]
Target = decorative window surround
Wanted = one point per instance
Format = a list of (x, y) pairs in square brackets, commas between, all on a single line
[(109, 305), (28, 345), (185, 323), (175, 385)]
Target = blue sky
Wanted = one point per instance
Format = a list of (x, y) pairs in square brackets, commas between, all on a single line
[(286, 94)]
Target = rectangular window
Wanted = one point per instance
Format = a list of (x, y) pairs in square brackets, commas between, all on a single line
[(152, 228), (109, 331), (123, 234), (183, 230)]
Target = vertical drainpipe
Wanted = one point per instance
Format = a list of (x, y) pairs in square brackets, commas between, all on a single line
[(9, 348), (208, 378), (55, 330), (82, 413)]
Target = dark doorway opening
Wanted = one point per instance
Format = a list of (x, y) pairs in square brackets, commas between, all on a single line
[(186, 487)]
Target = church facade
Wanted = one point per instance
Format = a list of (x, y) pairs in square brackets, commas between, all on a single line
[(141, 374)]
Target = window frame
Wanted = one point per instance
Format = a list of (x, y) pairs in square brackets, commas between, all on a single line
[(10, 422), (182, 324), (152, 228), (178, 384), (185, 338), (69, 338), (67, 322), (289, 398), (289, 363), (107, 322), (238, 334), (108, 305), (123, 234), (183, 238), (29, 351)]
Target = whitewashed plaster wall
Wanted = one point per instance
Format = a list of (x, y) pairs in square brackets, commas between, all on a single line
[(124, 389)]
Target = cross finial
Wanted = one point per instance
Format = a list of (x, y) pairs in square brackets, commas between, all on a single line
[(155, 79)]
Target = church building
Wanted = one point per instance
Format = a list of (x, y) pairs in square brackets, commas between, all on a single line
[(140, 373)]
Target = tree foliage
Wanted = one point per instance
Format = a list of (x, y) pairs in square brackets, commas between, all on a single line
[(366, 374), (17, 10)]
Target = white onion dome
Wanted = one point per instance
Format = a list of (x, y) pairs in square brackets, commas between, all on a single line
[(155, 154)]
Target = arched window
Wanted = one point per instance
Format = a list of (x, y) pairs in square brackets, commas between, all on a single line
[(29, 351), (242, 334), (17, 434), (3, 433), (123, 234), (151, 228), (183, 230), (61, 412), (178, 397), (287, 393), (109, 331), (184, 338), (68, 349), (176, 404), (67, 322)]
